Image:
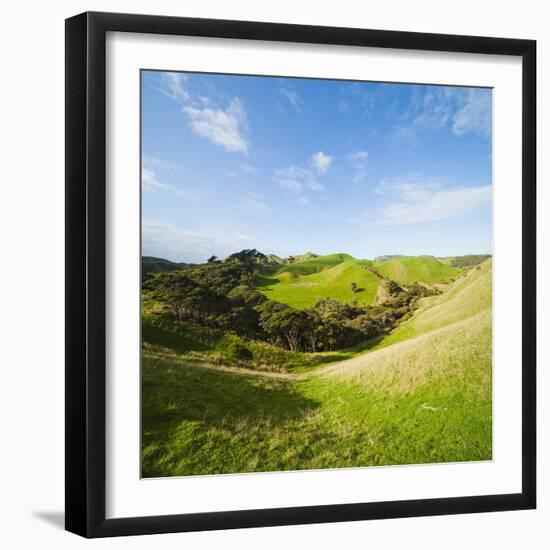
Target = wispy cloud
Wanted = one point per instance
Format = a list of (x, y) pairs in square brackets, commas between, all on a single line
[(256, 202), (173, 85), (240, 169), (174, 243), (157, 163), (359, 157), (225, 127), (399, 134), (297, 179), (416, 200), (248, 168), (293, 98), (150, 179), (464, 111), (359, 161), (476, 115), (321, 162), (304, 201), (434, 107)]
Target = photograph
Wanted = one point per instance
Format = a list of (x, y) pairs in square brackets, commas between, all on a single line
[(316, 273)]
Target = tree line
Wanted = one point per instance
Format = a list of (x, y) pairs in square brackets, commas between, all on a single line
[(221, 295)]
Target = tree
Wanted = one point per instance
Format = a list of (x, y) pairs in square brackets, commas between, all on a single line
[(171, 289), (212, 259), (249, 256), (285, 326)]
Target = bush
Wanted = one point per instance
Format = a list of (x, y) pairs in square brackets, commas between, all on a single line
[(240, 352)]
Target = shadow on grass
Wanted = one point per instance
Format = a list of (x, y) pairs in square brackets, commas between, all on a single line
[(336, 356), (263, 281), (173, 393), (176, 342)]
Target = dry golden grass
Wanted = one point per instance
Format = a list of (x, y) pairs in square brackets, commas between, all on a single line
[(433, 358)]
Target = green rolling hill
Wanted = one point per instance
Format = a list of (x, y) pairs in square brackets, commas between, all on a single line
[(301, 284), (422, 395), (422, 269)]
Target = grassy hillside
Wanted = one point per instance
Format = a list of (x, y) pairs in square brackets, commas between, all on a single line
[(423, 395), (301, 284), (468, 296), (423, 269), (439, 365), (312, 265)]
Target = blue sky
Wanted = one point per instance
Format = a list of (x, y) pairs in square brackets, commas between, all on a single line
[(289, 166)]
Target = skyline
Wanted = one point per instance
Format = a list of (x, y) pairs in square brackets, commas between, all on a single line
[(289, 166)]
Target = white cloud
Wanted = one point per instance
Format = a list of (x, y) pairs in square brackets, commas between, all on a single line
[(359, 162), (225, 127), (173, 86), (245, 237), (435, 107), (464, 110), (358, 156), (256, 201), (150, 180), (476, 115), (173, 243), (295, 100), (162, 164), (416, 200), (242, 168), (297, 179), (321, 162)]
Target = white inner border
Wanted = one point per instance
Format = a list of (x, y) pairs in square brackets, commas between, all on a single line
[(127, 495)]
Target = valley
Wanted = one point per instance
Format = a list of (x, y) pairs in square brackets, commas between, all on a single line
[(240, 388)]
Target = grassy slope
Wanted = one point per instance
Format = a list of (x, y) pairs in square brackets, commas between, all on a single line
[(426, 399), (301, 284), (423, 269), (468, 296), (439, 364)]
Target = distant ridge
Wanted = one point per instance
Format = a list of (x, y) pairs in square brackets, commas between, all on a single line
[(151, 264)]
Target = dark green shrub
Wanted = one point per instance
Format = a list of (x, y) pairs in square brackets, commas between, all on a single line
[(240, 352)]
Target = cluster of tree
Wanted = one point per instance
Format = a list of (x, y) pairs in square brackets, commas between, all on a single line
[(375, 272), (221, 295), (249, 256)]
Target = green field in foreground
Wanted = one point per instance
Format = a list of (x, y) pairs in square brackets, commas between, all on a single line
[(302, 284), (422, 395)]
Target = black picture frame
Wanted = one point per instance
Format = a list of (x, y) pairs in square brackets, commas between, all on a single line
[(86, 284)]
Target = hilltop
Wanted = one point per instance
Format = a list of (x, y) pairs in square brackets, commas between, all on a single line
[(300, 284)]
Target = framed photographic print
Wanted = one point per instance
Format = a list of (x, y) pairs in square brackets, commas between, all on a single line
[(300, 274)]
